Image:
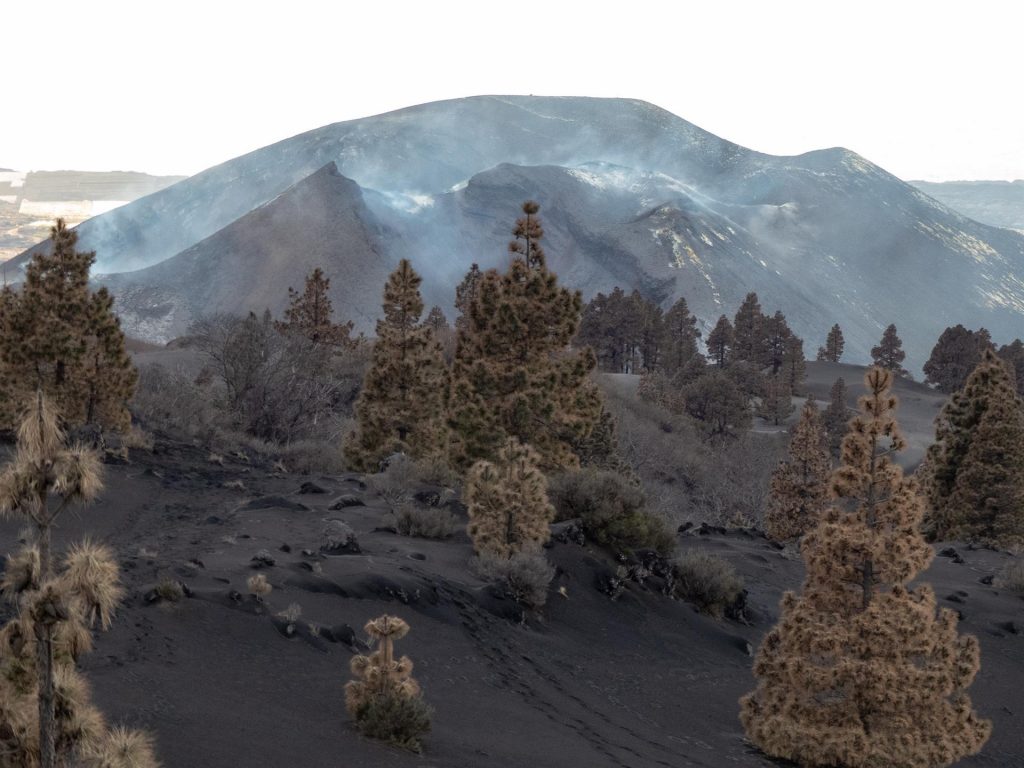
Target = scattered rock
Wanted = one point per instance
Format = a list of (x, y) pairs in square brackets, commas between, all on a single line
[(987, 580), (311, 487), (214, 520), (951, 553), (684, 527), (706, 530), (285, 548), (1012, 627), (954, 598), (417, 556), (568, 532), (346, 500), (274, 502), (263, 559)]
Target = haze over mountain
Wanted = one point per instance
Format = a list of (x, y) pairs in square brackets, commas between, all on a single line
[(999, 203), (631, 195)]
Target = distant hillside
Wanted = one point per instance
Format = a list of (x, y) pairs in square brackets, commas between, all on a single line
[(30, 201), (999, 203), (631, 195)]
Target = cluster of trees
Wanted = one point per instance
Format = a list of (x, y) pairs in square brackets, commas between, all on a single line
[(958, 352), (755, 358)]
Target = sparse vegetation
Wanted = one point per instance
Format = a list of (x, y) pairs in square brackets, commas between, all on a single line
[(611, 510), (258, 586), (424, 523), (169, 590), (706, 580), (524, 577), (1012, 577), (384, 698)]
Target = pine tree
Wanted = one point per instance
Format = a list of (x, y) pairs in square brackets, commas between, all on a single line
[(720, 408), (514, 374), (776, 403), (750, 332), (862, 670), (978, 504), (957, 352), (987, 503), (794, 365), (106, 373), (836, 416), (889, 353), (650, 333), (509, 510), (465, 295), (799, 487), (46, 717), (834, 343), (1013, 355), (777, 336), (58, 336), (311, 314), (401, 405), (680, 338), (720, 342), (385, 699)]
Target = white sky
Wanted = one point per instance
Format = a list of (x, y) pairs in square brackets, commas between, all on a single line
[(927, 90)]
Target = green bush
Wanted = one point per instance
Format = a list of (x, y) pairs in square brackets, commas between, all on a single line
[(395, 719), (611, 511), (706, 580)]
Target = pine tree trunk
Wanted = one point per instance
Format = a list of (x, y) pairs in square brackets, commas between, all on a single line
[(47, 725)]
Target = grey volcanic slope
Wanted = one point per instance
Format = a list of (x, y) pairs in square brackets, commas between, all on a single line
[(641, 681), (631, 195), (321, 221), (999, 203)]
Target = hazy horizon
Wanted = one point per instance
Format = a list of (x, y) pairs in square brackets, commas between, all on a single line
[(922, 89)]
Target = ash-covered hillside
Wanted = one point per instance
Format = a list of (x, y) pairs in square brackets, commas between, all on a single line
[(632, 195), (999, 203)]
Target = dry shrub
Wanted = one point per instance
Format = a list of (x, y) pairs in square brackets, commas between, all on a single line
[(706, 580), (259, 586), (524, 577), (435, 470), (1012, 577), (429, 523), (137, 438), (170, 590), (396, 482), (611, 510)]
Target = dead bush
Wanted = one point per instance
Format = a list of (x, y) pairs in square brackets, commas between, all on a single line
[(1012, 577), (428, 523)]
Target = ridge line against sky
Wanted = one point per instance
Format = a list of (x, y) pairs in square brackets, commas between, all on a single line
[(924, 89)]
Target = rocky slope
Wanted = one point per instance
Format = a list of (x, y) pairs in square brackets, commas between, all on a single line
[(622, 680)]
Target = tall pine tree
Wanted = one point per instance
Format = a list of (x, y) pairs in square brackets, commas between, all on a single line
[(59, 337), (401, 405), (834, 343), (720, 342), (514, 374), (979, 503), (311, 313), (750, 332), (863, 670), (799, 486)]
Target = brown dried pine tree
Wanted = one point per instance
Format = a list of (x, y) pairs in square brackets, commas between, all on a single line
[(799, 487), (862, 670)]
